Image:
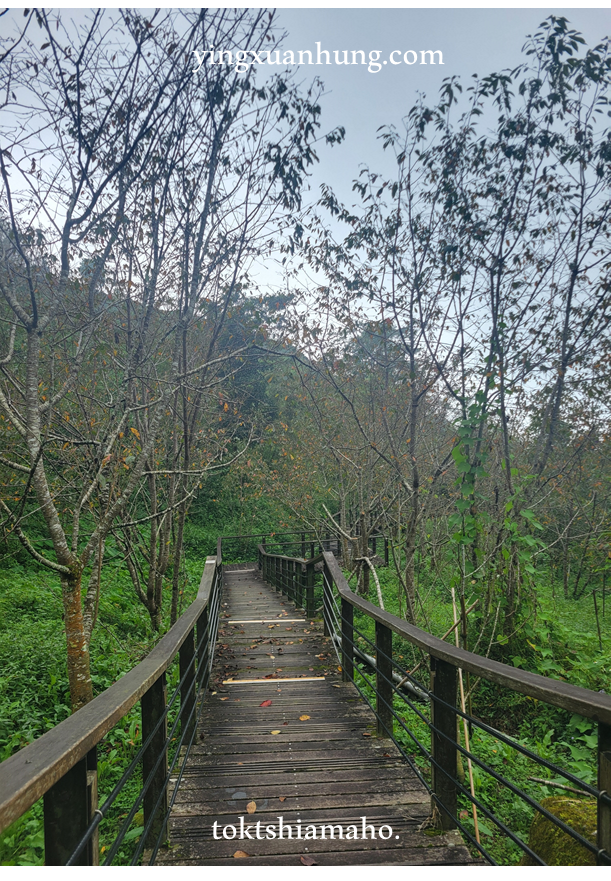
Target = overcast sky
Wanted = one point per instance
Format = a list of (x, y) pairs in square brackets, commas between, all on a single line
[(472, 41)]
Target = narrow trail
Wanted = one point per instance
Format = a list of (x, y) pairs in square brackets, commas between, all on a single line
[(284, 738)]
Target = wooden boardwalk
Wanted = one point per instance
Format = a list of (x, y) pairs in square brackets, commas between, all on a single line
[(283, 737)]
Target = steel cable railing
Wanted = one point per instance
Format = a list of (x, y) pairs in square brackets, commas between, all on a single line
[(382, 689), (207, 639)]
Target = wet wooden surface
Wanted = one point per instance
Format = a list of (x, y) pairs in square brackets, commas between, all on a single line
[(327, 769)]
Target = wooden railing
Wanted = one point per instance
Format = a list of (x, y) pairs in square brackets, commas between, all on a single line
[(294, 576), (61, 766), (302, 543)]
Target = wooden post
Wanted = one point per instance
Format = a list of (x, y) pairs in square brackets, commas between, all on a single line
[(66, 816), (303, 544), (310, 607), (385, 551), (303, 582), (187, 689), (603, 825), (294, 581), (384, 692), (153, 704), (347, 640), (374, 545), (327, 600), (202, 642), (443, 750), (93, 845)]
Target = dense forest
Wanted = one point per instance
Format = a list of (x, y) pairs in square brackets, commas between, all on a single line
[(432, 366)]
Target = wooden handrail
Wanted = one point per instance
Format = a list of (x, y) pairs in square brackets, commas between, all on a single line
[(30, 773), (312, 560), (591, 704)]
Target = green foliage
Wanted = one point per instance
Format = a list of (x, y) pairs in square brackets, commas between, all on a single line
[(560, 643), (34, 694)]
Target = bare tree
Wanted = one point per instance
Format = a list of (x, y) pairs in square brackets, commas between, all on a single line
[(134, 191)]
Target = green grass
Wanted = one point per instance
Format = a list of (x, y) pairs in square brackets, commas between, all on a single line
[(561, 641), (34, 693)]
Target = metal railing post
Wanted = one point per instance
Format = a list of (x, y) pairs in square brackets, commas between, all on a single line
[(347, 640), (384, 690), (443, 749), (66, 816), (187, 689), (309, 604), (327, 600), (153, 704), (603, 825)]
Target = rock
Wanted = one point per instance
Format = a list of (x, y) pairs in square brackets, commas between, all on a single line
[(553, 845)]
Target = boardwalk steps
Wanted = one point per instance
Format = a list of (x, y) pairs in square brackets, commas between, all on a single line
[(327, 769)]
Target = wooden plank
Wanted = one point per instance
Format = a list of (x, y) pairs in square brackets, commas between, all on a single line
[(441, 856), (323, 766)]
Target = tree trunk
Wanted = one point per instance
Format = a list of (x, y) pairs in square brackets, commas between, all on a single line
[(79, 675)]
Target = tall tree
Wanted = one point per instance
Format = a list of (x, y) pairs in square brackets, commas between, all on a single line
[(134, 191), (485, 259)]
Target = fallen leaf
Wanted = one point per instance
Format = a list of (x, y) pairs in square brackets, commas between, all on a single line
[(303, 718), (288, 628), (251, 807), (336, 686), (285, 723), (366, 734), (264, 704), (241, 855), (224, 698), (276, 732), (463, 814), (282, 798), (387, 755), (308, 861), (340, 669)]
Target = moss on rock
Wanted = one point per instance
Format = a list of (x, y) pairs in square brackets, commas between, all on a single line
[(553, 845)]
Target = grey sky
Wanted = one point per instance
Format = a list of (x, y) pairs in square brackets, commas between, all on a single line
[(471, 40)]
